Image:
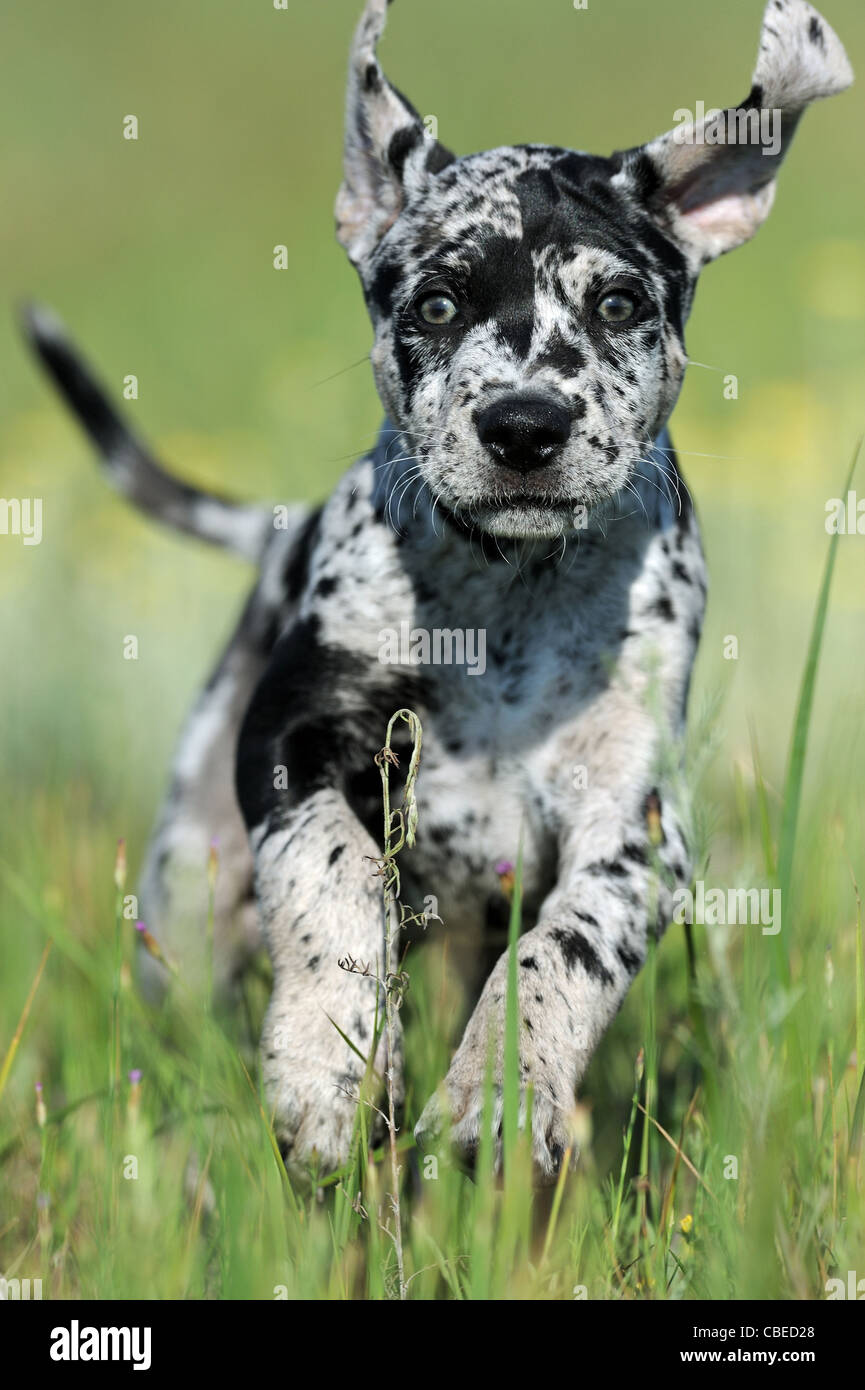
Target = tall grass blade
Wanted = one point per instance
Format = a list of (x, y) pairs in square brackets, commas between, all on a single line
[(801, 725), (22, 1022)]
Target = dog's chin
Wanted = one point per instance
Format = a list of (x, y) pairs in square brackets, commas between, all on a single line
[(525, 520)]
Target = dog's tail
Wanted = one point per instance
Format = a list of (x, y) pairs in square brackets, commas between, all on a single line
[(130, 466)]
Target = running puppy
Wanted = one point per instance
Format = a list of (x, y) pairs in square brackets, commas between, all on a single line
[(528, 307)]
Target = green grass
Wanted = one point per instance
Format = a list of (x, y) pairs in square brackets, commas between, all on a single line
[(158, 258), (738, 1171)]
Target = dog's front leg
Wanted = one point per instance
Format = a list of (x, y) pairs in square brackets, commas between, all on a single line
[(574, 969), (321, 904)]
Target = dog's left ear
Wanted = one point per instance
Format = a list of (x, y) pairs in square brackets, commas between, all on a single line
[(389, 155), (710, 183)]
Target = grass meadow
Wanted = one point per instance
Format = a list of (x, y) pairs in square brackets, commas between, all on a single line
[(721, 1122)]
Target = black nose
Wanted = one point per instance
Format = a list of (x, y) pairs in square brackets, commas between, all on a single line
[(524, 432)]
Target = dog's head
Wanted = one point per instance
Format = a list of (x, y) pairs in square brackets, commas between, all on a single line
[(529, 302)]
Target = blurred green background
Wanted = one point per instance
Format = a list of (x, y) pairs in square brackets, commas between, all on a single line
[(158, 255)]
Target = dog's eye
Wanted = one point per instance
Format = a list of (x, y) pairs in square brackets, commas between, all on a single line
[(617, 307), (437, 309)]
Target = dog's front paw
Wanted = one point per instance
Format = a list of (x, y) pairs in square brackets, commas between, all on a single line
[(548, 1073), (455, 1118), (313, 1084), (313, 1119)]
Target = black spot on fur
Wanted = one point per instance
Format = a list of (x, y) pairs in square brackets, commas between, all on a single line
[(438, 158), (630, 960), (576, 950), (636, 853), (607, 868), (663, 608), (380, 293), (313, 715), (297, 570), (401, 146)]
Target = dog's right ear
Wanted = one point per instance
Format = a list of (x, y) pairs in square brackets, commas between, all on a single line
[(389, 156)]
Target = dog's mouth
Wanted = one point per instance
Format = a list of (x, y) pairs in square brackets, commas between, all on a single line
[(535, 499), (527, 515)]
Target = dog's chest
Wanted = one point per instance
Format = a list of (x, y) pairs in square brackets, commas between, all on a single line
[(496, 763), (478, 811)]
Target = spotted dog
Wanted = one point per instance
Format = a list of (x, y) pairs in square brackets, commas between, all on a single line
[(528, 306)]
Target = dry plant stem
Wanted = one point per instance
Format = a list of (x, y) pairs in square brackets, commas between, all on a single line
[(399, 831)]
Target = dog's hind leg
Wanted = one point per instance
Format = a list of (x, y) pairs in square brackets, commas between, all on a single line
[(201, 813), (200, 818)]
